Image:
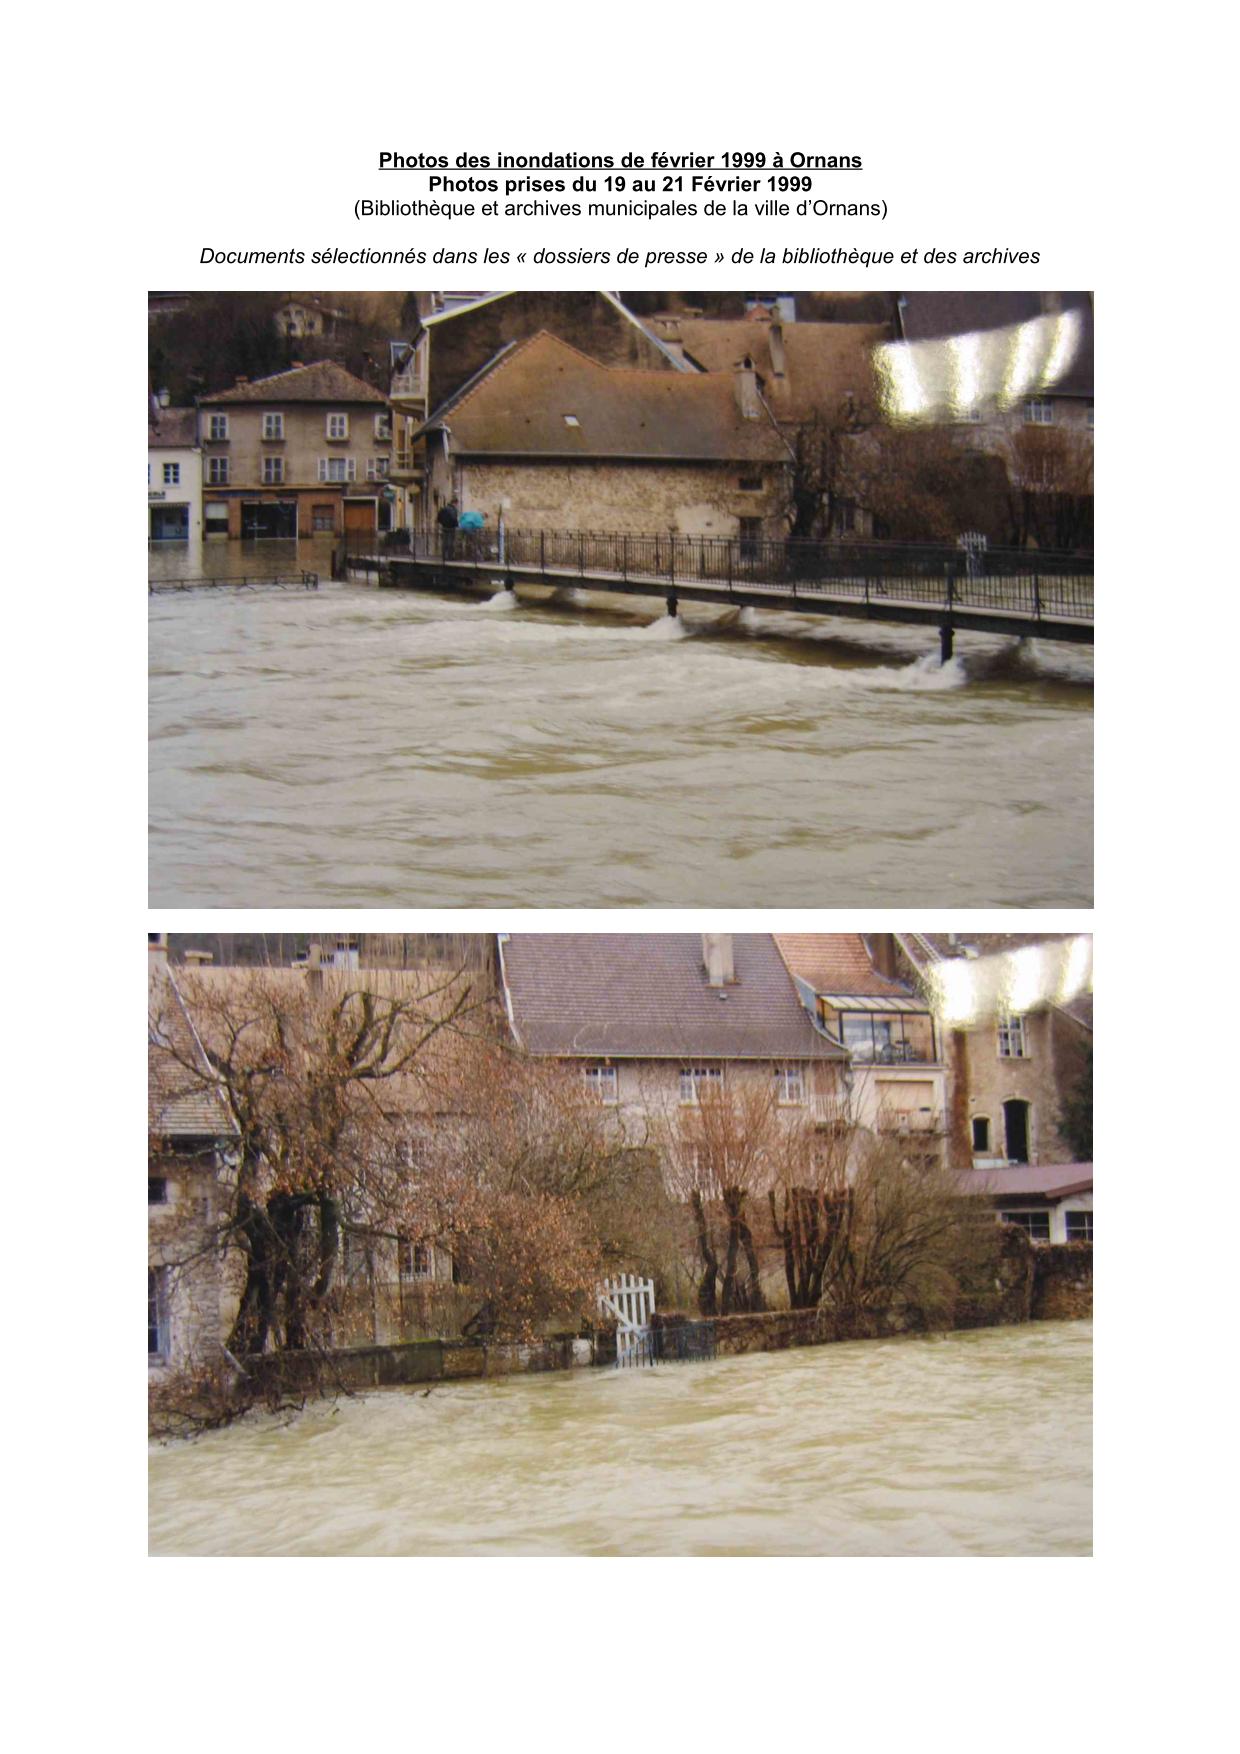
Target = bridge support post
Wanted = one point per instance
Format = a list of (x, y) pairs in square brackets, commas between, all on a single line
[(673, 602), (947, 634), (510, 584)]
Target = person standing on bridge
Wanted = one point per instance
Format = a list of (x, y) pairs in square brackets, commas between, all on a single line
[(448, 520), (471, 526)]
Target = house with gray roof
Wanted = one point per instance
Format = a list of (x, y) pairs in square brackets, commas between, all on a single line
[(655, 1019)]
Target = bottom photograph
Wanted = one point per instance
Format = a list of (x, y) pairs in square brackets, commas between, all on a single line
[(632, 1244)]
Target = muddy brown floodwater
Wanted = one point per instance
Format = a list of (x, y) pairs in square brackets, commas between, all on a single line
[(975, 1443), (384, 748)]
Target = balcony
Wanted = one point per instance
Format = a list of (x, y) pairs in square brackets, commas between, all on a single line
[(901, 1122), (406, 466)]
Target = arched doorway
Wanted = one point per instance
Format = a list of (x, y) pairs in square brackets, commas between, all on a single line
[(1016, 1130)]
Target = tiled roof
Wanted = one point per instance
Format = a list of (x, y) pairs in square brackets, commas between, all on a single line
[(1047, 1181), (823, 362), (175, 427), (835, 962), (646, 995), (520, 407), (180, 1102), (323, 382)]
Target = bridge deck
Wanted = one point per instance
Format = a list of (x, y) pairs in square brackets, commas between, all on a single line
[(1024, 606)]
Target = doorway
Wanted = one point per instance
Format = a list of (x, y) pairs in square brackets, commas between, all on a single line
[(1016, 1130)]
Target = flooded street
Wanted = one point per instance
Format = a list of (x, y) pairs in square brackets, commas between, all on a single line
[(973, 1444), (386, 748)]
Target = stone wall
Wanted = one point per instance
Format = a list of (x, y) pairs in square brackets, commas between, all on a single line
[(1063, 1287), (635, 499)]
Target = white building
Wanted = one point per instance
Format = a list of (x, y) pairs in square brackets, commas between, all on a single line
[(173, 476), (1051, 1202)]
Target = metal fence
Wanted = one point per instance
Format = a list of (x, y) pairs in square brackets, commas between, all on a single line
[(1030, 582)]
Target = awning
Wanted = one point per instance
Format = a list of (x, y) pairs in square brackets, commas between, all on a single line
[(868, 1002)]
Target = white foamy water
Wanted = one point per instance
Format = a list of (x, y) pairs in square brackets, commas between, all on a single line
[(973, 1444), (387, 748)]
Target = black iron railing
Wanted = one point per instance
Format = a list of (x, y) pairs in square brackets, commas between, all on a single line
[(1035, 584)]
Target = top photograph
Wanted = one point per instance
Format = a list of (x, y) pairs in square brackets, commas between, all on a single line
[(620, 599)]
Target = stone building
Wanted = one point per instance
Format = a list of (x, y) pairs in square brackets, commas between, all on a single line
[(305, 452), (547, 438), (656, 1020), (457, 338), (1016, 1014), (895, 1080), (190, 1141)]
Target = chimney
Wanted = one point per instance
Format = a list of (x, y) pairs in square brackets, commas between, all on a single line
[(745, 383), (717, 958), (157, 949), (199, 958), (164, 398), (239, 381), (297, 365), (883, 951), (778, 362)]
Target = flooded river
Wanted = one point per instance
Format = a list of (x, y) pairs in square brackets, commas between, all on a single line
[(388, 748), (976, 1443)]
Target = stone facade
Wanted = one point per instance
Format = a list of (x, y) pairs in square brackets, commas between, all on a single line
[(190, 1292), (688, 499), (1038, 1077)]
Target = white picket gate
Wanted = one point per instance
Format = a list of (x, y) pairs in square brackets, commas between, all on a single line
[(631, 1301)]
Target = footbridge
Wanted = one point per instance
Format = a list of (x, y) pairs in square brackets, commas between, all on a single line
[(1028, 594)]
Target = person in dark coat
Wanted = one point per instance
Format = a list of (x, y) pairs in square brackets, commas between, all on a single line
[(448, 520)]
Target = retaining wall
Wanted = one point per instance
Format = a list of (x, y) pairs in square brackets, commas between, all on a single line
[(1048, 1283)]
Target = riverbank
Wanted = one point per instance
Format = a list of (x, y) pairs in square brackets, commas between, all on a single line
[(1048, 1283)]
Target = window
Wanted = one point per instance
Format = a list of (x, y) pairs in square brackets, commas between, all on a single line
[(1080, 1226), (750, 483), (273, 426), (1012, 1039), (323, 519), (217, 471), (172, 474), (602, 1082), (415, 1260), (383, 426), (898, 1040), (273, 470), (969, 416), (337, 469), (1037, 1225), (377, 468), (156, 1190), (700, 1083), (789, 1084), (337, 426), (571, 420), (217, 427), (1039, 411), (156, 1324), (981, 1135)]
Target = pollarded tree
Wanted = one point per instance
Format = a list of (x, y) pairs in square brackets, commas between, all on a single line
[(321, 1075)]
